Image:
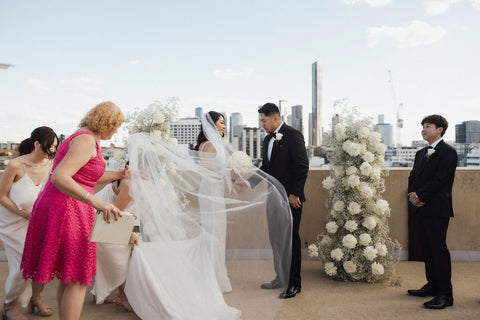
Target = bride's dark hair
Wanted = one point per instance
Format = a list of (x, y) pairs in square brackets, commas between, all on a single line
[(201, 136)]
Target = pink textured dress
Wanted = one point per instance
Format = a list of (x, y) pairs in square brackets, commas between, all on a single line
[(57, 243)]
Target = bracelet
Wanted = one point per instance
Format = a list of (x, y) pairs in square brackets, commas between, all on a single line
[(86, 196)]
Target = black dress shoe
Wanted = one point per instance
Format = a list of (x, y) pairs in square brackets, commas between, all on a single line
[(439, 302), (274, 284), (424, 291), (290, 292)]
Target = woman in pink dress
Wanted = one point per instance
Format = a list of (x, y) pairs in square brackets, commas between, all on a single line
[(57, 243)]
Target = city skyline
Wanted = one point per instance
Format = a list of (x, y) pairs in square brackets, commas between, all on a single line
[(67, 59)]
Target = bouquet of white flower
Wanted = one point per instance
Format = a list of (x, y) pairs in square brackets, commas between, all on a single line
[(240, 162)]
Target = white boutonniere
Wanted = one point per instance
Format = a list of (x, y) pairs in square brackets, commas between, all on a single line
[(430, 152), (278, 136)]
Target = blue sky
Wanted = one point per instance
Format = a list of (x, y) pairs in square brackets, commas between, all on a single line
[(233, 56)]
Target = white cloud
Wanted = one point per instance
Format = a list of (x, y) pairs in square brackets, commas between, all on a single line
[(437, 7), (475, 4), (372, 3), (418, 33), (38, 84), (231, 74)]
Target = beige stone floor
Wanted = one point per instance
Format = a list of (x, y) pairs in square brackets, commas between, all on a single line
[(321, 297)]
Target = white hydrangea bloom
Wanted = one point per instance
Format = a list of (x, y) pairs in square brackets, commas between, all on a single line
[(354, 208), (336, 254), (370, 222), (340, 132), (339, 206), (364, 132), (328, 183), (365, 169), (330, 269), (349, 267), (351, 170), (349, 241), (368, 156), (377, 269), (331, 227), (381, 249), (313, 250), (365, 239), (370, 253), (351, 225), (353, 181)]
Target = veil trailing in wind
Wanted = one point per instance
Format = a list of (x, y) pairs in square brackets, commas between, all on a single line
[(193, 213)]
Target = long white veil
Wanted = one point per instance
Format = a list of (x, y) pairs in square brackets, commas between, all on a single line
[(191, 217)]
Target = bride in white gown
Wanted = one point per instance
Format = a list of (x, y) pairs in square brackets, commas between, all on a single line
[(173, 271)]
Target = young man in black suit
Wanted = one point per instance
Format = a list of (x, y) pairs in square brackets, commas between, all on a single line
[(285, 158), (430, 191)]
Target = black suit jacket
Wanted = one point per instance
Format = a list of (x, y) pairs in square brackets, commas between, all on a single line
[(288, 162), (432, 179)]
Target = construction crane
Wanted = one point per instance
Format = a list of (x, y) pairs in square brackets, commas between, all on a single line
[(398, 109)]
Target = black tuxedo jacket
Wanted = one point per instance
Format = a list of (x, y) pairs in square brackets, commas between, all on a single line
[(288, 162), (432, 179)]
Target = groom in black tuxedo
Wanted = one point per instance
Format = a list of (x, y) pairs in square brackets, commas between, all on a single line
[(430, 191), (285, 158)]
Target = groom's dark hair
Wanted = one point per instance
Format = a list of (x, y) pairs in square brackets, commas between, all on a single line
[(269, 109), (437, 120)]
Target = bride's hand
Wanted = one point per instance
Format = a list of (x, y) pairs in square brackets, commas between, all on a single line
[(133, 239), (108, 210)]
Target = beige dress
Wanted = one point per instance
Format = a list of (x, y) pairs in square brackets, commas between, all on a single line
[(13, 230)]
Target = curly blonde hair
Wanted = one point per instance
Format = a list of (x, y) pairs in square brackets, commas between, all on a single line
[(104, 117)]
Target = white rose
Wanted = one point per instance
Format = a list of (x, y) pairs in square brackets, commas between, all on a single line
[(370, 253), (353, 181), (278, 136), (364, 132), (313, 250), (374, 138), (328, 183), (377, 269), (381, 249), (352, 148), (430, 151), (339, 206), (339, 132), (381, 207), (159, 118), (370, 222), (326, 240), (349, 241), (381, 148), (331, 227), (339, 171), (336, 254), (365, 190), (330, 269), (349, 266), (376, 173), (365, 169), (365, 239), (380, 160), (351, 225), (351, 170), (368, 156), (333, 214), (354, 208), (240, 162)]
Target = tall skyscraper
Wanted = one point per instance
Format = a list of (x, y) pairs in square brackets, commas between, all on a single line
[(297, 118), (235, 120), (468, 132), (310, 125), (316, 132), (386, 130), (198, 112), (283, 108)]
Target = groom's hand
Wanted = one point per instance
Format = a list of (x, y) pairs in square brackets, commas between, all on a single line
[(294, 201), (412, 197), (240, 186)]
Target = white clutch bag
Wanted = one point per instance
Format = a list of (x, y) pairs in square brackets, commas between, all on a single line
[(115, 232)]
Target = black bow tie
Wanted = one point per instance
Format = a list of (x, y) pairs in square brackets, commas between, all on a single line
[(271, 135)]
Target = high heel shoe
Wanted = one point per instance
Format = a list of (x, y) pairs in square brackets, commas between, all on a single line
[(13, 313), (38, 307)]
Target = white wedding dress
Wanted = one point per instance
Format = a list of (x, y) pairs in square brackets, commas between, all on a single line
[(13, 230), (112, 259)]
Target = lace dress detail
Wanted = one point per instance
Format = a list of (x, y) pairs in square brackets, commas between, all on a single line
[(57, 243)]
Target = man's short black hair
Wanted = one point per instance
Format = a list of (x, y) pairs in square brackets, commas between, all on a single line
[(437, 120), (269, 109)]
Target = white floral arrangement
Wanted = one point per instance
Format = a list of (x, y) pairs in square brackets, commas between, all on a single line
[(155, 119), (356, 245), (240, 162)]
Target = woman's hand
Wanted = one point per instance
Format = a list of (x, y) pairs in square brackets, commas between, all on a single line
[(133, 240), (24, 214), (108, 210)]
